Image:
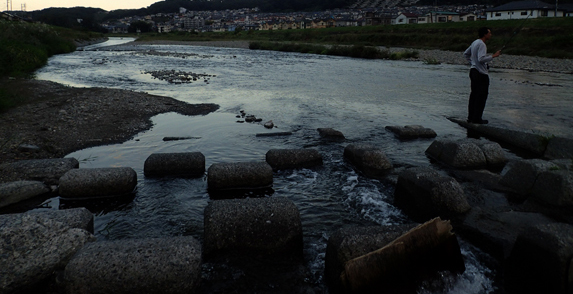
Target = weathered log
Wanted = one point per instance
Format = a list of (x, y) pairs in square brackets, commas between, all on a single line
[(421, 252)]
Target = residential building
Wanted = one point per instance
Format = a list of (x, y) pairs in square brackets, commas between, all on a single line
[(442, 16), (406, 18), (468, 17), (524, 9)]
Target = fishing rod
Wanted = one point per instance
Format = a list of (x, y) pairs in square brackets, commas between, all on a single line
[(516, 31)]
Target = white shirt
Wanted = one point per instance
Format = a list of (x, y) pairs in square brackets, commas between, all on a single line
[(476, 54)]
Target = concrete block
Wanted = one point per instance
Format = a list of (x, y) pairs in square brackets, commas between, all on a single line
[(369, 159), (259, 225), (293, 158), (239, 175), (97, 182), (165, 164)]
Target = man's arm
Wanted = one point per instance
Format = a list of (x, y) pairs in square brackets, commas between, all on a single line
[(482, 54), (468, 54)]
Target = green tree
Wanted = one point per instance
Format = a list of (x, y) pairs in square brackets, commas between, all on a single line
[(142, 26)]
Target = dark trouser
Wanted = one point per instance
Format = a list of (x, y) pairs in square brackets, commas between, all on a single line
[(478, 95)]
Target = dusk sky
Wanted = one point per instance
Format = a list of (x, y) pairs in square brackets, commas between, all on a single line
[(103, 4)]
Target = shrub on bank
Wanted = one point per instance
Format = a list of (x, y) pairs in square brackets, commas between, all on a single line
[(25, 47), (356, 51)]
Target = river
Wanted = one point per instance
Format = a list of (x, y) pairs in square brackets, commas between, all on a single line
[(299, 93)]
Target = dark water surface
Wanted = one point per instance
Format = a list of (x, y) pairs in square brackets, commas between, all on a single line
[(299, 93)]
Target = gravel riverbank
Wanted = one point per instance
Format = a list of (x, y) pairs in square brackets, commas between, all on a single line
[(56, 120)]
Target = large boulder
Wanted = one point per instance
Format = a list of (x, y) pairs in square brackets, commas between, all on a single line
[(330, 133), (411, 258), (554, 187), (532, 142), (162, 265), (352, 242), (424, 193), (48, 171), (97, 182), (541, 260), (412, 132), (239, 175), (34, 246), (184, 163), (79, 218), (369, 159), (520, 175), (559, 148), (496, 232), (548, 182), (255, 225), (293, 158), (14, 192), (467, 153)]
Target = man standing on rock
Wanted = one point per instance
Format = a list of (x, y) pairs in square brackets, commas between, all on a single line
[(476, 54)]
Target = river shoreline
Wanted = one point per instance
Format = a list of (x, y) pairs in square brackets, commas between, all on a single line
[(57, 120), (518, 62)]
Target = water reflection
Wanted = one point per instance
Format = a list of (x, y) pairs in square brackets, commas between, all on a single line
[(300, 93)]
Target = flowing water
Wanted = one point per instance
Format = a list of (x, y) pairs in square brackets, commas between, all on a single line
[(299, 93)]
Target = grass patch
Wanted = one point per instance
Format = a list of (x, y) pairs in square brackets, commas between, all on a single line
[(432, 61), (356, 51)]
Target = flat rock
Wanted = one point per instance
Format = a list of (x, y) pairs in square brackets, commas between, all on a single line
[(33, 246), (412, 132), (48, 171), (14, 192), (532, 142), (157, 265)]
